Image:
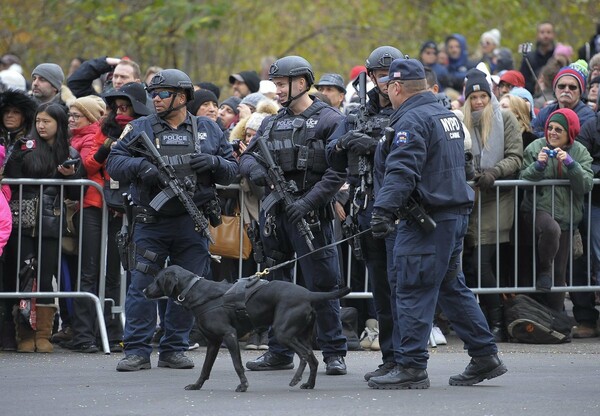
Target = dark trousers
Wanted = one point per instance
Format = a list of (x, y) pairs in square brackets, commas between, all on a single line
[(85, 323), (321, 273)]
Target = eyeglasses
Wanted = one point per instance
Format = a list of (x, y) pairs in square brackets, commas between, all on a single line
[(75, 116), (162, 94), (558, 130), (123, 107), (504, 84), (569, 86)]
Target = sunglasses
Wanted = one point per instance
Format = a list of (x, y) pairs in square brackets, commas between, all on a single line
[(123, 107), (569, 86), (162, 94), (558, 130)]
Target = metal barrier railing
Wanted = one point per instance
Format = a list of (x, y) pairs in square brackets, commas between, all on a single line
[(100, 298)]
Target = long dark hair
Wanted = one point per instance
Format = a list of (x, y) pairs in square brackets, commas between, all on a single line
[(43, 162)]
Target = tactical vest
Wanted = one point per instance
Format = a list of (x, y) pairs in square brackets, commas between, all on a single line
[(376, 124), (175, 148), (295, 148)]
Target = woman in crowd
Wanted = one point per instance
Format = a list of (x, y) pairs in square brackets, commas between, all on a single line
[(41, 156), (497, 150), (551, 211), (125, 104)]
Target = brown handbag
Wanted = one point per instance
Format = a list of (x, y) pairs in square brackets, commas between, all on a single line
[(227, 238)]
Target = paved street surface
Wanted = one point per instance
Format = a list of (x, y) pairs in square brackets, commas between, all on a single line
[(541, 380)]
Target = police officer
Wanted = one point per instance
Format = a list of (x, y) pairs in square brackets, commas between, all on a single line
[(296, 137), (425, 162), (350, 147), (201, 157)]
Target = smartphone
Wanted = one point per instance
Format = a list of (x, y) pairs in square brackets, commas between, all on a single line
[(69, 162)]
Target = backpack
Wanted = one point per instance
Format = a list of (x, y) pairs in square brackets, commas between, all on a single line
[(530, 322)]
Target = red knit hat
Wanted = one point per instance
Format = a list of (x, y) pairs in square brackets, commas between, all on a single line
[(566, 118), (567, 70), (356, 70)]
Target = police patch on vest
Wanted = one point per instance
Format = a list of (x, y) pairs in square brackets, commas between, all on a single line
[(311, 123), (401, 138), (452, 126), (202, 135), (174, 139)]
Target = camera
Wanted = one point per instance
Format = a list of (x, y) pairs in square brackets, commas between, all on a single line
[(551, 152), (525, 48), (235, 144)]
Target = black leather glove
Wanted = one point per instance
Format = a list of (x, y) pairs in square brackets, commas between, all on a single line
[(203, 162), (344, 141), (382, 223), (298, 210), (148, 174), (486, 179), (258, 175), (362, 144)]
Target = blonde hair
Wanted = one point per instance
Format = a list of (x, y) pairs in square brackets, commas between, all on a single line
[(519, 108), (485, 125)]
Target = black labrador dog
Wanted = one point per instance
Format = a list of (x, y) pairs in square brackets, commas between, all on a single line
[(224, 310)]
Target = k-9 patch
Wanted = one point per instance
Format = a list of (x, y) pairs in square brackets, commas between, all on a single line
[(401, 138)]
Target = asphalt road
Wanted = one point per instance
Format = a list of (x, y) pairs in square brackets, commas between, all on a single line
[(542, 380)]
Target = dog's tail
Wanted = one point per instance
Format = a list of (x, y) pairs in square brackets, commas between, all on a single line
[(320, 296)]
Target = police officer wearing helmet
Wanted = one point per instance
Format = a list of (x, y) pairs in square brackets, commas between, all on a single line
[(349, 148), (201, 157), (424, 159), (297, 136)]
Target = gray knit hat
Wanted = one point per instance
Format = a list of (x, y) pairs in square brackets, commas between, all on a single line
[(51, 73)]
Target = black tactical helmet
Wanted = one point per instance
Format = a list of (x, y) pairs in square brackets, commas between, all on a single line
[(172, 78), (382, 57), (292, 66)]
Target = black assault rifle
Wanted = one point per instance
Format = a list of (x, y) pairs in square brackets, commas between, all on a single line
[(364, 124), (173, 186), (281, 189)]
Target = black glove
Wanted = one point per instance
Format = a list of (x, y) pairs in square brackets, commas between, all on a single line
[(298, 210), (362, 144), (148, 174), (202, 162), (382, 224), (258, 175), (486, 179), (344, 141)]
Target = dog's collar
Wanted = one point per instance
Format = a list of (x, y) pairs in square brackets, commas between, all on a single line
[(185, 291)]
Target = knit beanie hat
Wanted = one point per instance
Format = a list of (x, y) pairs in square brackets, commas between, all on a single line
[(232, 102), (574, 71), (492, 35), (51, 73), (568, 119), (91, 106), (201, 97), (476, 81), (253, 99), (255, 120), (12, 80)]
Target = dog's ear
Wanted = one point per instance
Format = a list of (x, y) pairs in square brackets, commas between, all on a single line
[(167, 281)]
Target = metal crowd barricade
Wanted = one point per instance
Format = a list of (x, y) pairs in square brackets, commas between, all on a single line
[(98, 300), (515, 246)]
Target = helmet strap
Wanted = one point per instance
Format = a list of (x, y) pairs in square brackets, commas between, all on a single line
[(290, 96)]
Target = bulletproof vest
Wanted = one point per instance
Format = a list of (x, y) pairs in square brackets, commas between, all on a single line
[(295, 148), (175, 148), (374, 127)]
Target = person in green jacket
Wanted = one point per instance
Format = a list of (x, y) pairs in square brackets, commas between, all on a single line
[(556, 215)]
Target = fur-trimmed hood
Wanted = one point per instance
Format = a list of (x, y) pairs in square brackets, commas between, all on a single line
[(268, 107), (20, 100)]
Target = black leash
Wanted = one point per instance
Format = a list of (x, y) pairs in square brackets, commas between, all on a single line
[(295, 259)]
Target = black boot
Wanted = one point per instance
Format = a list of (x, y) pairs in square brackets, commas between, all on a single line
[(479, 369), (496, 322)]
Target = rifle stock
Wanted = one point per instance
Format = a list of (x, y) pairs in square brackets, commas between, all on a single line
[(172, 185), (282, 190)]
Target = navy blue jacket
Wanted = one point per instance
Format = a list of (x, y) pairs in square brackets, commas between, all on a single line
[(426, 155), (124, 165), (583, 111)]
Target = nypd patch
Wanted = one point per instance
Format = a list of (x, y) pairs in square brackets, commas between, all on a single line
[(401, 138)]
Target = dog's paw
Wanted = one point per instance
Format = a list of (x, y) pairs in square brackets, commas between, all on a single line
[(307, 386), (295, 381), (193, 386), (242, 388)]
